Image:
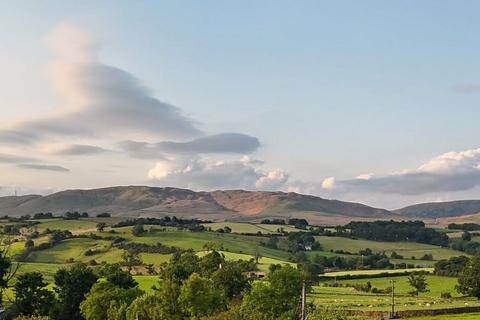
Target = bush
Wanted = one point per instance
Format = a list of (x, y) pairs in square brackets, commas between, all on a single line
[(446, 295), (104, 215)]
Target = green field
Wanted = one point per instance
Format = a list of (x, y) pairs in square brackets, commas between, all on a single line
[(243, 227), (374, 272), (406, 249), (75, 226), (197, 240), (349, 298), (75, 248), (263, 262)]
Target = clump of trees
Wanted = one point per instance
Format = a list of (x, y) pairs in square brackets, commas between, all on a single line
[(467, 246), (397, 231), (469, 278), (74, 215), (191, 287), (464, 226), (451, 267), (190, 224), (43, 215)]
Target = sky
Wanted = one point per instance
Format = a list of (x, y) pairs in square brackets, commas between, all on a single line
[(367, 101)]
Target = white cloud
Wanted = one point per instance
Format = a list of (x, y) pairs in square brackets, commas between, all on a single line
[(328, 183), (448, 172), (208, 174), (272, 180), (99, 99)]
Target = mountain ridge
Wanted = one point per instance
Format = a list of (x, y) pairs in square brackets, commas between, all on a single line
[(216, 205), (444, 209)]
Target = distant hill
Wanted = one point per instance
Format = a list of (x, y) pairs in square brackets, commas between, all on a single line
[(441, 209), (216, 205)]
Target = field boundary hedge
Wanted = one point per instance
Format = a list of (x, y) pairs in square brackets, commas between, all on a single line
[(373, 275)]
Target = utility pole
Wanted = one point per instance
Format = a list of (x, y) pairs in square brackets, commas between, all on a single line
[(392, 313), (304, 302)]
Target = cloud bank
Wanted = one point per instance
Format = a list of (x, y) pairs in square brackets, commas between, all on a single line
[(208, 174), (223, 143), (446, 173)]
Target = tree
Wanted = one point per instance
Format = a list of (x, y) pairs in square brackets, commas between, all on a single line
[(210, 263), (103, 215), (199, 297), (101, 226), (469, 279), (138, 230), (105, 301), (116, 276), (29, 244), (71, 285), (231, 279), (276, 299), (418, 283), (181, 266), (31, 295), (131, 258), (7, 269), (466, 236), (162, 305)]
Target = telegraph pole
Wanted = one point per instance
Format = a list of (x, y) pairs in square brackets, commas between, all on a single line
[(392, 313), (304, 302)]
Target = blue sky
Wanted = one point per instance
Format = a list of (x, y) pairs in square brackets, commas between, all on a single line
[(329, 89)]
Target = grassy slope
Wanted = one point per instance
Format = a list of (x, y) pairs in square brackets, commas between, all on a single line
[(197, 240), (76, 248), (406, 249), (240, 227), (349, 298), (75, 226)]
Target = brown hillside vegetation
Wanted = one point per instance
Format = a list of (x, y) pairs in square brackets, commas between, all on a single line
[(216, 205)]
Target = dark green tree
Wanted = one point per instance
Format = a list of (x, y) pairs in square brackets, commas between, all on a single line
[(114, 274), (101, 226), (466, 236), (29, 244), (469, 278), (199, 297), (180, 266), (231, 279), (71, 286), (210, 263), (138, 230), (107, 301), (31, 295), (277, 298), (418, 283), (162, 305)]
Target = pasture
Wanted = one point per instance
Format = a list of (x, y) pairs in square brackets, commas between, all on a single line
[(406, 249), (348, 298), (245, 227)]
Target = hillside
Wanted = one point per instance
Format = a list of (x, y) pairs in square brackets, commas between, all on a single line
[(441, 209), (216, 205)]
